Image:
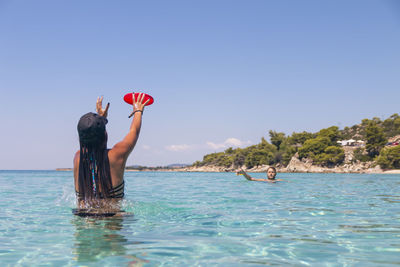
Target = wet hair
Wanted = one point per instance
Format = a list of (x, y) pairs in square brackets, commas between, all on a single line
[(271, 168), (94, 176)]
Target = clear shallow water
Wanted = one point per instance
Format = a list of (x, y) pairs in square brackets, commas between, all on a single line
[(205, 219)]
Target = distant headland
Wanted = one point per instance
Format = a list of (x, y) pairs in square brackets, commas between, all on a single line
[(369, 147)]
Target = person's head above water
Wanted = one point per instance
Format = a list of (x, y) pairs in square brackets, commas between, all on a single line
[(271, 173), (92, 130)]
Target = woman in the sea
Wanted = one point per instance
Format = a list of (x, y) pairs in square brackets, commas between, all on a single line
[(98, 171), (271, 174)]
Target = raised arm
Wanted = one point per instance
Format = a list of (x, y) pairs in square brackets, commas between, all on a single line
[(122, 149), (248, 177), (242, 172)]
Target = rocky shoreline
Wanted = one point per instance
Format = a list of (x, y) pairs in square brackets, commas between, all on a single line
[(302, 166), (299, 168), (295, 166)]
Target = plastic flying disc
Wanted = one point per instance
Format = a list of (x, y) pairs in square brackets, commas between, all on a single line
[(128, 98)]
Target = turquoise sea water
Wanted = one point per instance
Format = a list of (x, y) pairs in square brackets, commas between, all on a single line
[(204, 219)]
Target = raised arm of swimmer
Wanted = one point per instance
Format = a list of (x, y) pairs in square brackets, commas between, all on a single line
[(248, 177), (125, 147)]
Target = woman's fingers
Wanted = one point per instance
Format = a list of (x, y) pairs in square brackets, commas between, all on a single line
[(140, 98), (99, 107), (99, 104), (106, 110), (133, 102)]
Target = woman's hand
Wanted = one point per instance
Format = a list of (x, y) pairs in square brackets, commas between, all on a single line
[(241, 172), (138, 105), (99, 107)]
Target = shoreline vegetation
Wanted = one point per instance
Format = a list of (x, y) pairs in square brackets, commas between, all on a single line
[(369, 147)]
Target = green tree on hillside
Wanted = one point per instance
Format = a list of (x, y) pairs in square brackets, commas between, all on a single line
[(332, 156), (324, 149), (239, 157), (277, 138), (285, 146), (351, 132), (287, 154), (332, 133), (314, 147), (300, 138), (375, 138), (260, 154), (391, 125), (389, 158), (259, 157), (229, 151)]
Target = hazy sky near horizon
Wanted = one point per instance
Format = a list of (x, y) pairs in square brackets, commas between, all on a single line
[(222, 73)]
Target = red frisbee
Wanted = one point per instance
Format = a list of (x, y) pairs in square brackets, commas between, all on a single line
[(128, 98)]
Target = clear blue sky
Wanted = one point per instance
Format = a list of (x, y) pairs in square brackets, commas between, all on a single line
[(221, 72)]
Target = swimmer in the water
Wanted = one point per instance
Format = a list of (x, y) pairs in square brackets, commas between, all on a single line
[(99, 171), (271, 174)]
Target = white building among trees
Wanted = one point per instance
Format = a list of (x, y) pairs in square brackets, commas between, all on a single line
[(351, 142)]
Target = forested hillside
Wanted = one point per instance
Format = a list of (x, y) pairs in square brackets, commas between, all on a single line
[(321, 147)]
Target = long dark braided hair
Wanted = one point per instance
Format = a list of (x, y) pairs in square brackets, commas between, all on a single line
[(94, 166)]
